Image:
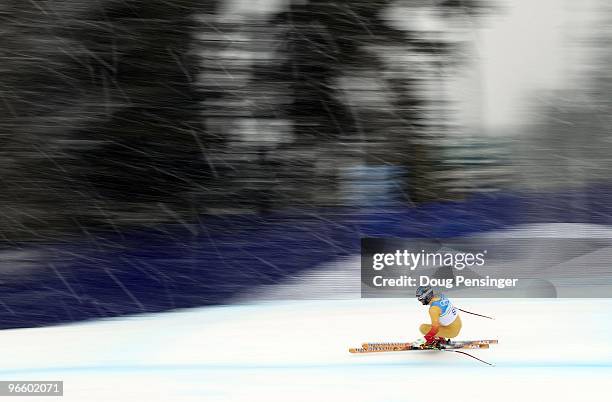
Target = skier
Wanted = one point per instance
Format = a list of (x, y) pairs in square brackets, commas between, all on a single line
[(445, 321)]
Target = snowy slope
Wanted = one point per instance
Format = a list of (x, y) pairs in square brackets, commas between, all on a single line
[(298, 351), (269, 349)]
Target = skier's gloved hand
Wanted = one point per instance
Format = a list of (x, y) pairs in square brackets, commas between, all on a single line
[(429, 339)]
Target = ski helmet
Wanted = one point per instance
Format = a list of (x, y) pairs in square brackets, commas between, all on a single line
[(424, 294)]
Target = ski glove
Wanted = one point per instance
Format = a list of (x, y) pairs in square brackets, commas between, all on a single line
[(430, 337)]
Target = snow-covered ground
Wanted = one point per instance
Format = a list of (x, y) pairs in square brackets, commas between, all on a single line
[(266, 348), (550, 349)]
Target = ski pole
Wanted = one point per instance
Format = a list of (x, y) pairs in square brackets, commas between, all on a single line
[(479, 315), (469, 355)]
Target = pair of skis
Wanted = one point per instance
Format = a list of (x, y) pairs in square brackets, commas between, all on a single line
[(453, 346)]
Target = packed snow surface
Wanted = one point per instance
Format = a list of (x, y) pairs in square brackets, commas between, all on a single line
[(549, 349)]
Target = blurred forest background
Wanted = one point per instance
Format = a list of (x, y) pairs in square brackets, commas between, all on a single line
[(120, 113)]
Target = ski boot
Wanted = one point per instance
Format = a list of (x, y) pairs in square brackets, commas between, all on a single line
[(438, 343)]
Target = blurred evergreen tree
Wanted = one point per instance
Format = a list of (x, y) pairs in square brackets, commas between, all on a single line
[(140, 59), (320, 41)]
